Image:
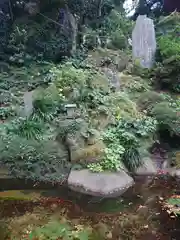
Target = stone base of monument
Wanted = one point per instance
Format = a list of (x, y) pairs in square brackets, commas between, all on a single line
[(104, 184)]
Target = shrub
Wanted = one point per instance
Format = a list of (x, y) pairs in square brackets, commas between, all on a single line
[(122, 142), (167, 73), (47, 102), (118, 40), (149, 99), (26, 128), (122, 106), (167, 117), (38, 160), (67, 75)]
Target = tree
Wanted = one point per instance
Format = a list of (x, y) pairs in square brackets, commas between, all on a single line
[(156, 7)]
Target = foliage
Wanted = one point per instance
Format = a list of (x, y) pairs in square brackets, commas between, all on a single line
[(6, 112), (167, 74), (122, 106), (26, 128), (118, 40), (134, 84), (117, 21), (67, 76), (27, 158), (117, 28), (51, 41), (149, 99), (47, 102), (20, 79), (122, 141), (167, 117), (79, 85), (55, 230)]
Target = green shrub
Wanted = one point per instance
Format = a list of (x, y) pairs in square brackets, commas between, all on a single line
[(47, 102), (117, 21), (167, 73), (38, 160), (26, 128), (167, 117), (149, 99), (119, 40), (122, 141), (67, 76)]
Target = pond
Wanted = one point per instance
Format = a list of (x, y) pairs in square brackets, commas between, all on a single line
[(63, 214)]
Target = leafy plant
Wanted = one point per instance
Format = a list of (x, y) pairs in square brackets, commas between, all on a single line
[(67, 75), (122, 141), (118, 40), (167, 74), (41, 159)]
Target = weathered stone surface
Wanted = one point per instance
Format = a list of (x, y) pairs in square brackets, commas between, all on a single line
[(147, 168), (113, 78), (28, 103), (94, 137), (119, 59), (106, 184), (144, 41)]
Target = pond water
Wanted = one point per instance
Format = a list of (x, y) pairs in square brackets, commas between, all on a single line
[(63, 214)]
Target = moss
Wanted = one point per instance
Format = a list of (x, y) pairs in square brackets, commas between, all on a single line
[(122, 106), (89, 153), (118, 58), (19, 195), (133, 83)]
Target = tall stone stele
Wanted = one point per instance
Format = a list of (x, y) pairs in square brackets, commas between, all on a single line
[(144, 41)]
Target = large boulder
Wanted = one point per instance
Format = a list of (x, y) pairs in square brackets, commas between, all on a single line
[(105, 184)]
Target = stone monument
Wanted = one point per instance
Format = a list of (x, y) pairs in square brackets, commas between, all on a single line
[(144, 41)]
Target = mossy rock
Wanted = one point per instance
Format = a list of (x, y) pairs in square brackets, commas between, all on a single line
[(90, 153), (133, 83), (122, 106), (100, 56), (100, 81)]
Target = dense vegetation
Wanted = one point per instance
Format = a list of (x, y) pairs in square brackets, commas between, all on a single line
[(89, 106), (111, 129)]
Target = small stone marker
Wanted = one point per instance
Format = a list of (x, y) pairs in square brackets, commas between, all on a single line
[(70, 110), (28, 103), (113, 78), (144, 41)]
